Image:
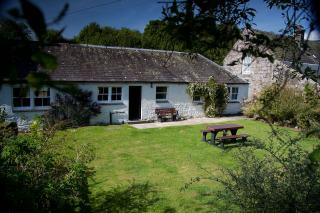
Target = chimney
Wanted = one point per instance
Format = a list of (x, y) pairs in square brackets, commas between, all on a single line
[(299, 34)]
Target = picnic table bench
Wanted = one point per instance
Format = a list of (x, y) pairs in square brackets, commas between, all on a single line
[(233, 128), (166, 113)]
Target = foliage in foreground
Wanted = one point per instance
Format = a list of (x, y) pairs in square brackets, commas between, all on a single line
[(285, 179), (215, 96), (71, 110), (39, 174)]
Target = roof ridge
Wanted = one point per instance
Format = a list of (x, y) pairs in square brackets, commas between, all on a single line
[(132, 48)]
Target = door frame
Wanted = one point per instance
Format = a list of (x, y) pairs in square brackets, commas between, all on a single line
[(140, 86)]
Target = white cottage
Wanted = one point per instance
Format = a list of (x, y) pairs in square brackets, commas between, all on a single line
[(128, 83)]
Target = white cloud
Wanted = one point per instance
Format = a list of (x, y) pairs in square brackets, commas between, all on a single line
[(314, 35)]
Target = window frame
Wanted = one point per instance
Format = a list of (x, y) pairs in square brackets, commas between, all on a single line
[(103, 94), (231, 93), (32, 97), (41, 97), (116, 94), (111, 93), (27, 97), (161, 93), (199, 101), (246, 65)]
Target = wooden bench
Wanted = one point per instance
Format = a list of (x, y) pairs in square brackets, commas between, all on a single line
[(232, 138), (166, 113), (204, 135)]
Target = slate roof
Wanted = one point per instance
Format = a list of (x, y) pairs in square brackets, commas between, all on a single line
[(89, 63)]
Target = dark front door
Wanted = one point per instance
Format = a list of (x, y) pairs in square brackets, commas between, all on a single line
[(134, 103)]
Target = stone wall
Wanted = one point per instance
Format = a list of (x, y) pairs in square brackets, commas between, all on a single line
[(263, 72)]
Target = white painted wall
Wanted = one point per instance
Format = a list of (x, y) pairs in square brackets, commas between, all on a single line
[(176, 96), (234, 107)]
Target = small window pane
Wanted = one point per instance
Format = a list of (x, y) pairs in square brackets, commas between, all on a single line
[(161, 96), (46, 101), (21, 97), (103, 93), (234, 96), (161, 93), (233, 93), (17, 102), (116, 94), (161, 89), (25, 102), (196, 98), (42, 97), (234, 89), (246, 64)]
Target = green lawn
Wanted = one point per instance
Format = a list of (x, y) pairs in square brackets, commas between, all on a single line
[(166, 158)]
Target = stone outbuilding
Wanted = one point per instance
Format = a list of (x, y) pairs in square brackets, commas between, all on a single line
[(260, 72)]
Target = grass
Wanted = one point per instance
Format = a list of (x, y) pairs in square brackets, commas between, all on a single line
[(165, 159)]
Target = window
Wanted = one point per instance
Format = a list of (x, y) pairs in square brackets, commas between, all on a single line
[(42, 97), (161, 93), (103, 93), (116, 94), (246, 65), (196, 98), (21, 97), (233, 93)]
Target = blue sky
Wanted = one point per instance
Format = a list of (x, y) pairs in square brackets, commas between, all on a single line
[(134, 14)]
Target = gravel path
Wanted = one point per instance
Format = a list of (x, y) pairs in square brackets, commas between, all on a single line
[(192, 121)]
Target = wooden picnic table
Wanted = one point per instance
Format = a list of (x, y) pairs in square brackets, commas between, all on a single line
[(217, 128)]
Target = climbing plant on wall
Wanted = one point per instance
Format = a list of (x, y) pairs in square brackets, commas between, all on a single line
[(215, 96)]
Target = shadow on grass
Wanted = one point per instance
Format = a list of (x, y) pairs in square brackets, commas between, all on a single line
[(231, 145), (136, 197)]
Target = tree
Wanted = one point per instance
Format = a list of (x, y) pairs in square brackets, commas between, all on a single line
[(155, 36), (90, 34), (54, 36), (204, 25), (108, 36), (20, 54)]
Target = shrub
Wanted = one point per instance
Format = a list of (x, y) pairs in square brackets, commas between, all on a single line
[(250, 108), (309, 121), (3, 115), (72, 110), (7, 130), (281, 105), (215, 96), (276, 182), (39, 174)]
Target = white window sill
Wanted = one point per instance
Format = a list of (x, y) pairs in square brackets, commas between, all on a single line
[(29, 109), (111, 103), (162, 101), (198, 102), (233, 101)]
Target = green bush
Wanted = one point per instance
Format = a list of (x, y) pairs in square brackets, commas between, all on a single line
[(277, 105), (40, 174), (276, 182), (8, 130), (215, 96), (71, 110), (309, 121)]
